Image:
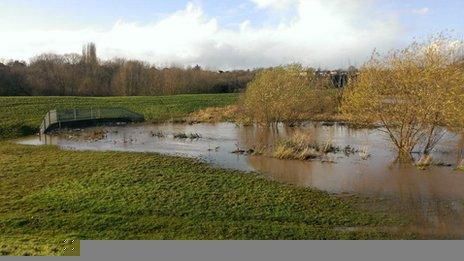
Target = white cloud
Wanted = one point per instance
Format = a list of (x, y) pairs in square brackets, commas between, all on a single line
[(274, 4), (322, 33), (421, 11)]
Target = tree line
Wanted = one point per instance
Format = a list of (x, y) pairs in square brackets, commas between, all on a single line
[(86, 75)]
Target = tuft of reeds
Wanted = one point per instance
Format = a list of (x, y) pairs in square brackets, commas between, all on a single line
[(180, 135), (424, 162), (364, 154), (300, 146), (192, 136), (95, 135), (460, 165), (158, 134)]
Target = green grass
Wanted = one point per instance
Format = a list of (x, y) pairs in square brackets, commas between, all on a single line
[(21, 116), (48, 194)]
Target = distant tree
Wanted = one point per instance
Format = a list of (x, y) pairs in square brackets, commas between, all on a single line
[(89, 54), (13, 79), (133, 78), (74, 74), (48, 73)]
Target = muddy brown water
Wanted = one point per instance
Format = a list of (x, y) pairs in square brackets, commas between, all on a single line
[(433, 197)]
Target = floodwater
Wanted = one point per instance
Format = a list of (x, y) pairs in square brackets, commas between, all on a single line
[(433, 197)]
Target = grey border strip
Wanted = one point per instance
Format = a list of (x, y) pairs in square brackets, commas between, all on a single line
[(274, 250), (266, 251)]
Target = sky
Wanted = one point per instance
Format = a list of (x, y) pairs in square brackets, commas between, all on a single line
[(236, 34)]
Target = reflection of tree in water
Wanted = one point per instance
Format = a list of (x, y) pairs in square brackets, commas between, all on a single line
[(258, 136), (460, 150), (287, 171)]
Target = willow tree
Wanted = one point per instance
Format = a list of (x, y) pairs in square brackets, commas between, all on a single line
[(285, 94), (414, 93)]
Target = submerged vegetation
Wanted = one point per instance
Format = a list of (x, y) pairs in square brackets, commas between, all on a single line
[(424, 162), (301, 146), (461, 165), (191, 136)]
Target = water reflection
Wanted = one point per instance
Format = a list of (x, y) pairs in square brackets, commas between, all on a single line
[(433, 196)]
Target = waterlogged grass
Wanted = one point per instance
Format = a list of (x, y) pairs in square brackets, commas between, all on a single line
[(21, 116), (301, 146), (48, 195)]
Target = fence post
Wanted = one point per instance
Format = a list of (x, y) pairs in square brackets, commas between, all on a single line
[(75, 114)]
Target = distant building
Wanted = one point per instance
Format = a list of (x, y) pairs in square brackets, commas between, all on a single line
[(338, 78)]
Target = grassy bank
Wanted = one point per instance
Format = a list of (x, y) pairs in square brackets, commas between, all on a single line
[(21, 116), (58, 195)]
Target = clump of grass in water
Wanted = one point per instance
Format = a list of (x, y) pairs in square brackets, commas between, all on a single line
[(180, 136), (460, 165), (301, 147), (259, 150), (364, 154), (192, 136), (424, 162), (95, 135), (158, 134)]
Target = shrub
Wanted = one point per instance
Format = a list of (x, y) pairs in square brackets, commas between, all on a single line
[(412, 93), (287, 94)]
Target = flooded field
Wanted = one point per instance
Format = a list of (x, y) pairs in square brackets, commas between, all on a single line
[(433, 197)]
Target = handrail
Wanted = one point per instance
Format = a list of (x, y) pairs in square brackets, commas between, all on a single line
[(56, 118)]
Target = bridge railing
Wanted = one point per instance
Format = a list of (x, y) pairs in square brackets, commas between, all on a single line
[(62, 116)]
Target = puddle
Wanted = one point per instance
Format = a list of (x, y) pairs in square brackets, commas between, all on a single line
[(434, 196)]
